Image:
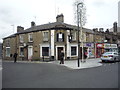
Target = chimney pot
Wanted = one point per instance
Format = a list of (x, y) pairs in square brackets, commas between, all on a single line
[(19, 28), (60, 18)]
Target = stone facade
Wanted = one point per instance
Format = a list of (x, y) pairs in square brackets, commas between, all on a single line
[(46, 41)]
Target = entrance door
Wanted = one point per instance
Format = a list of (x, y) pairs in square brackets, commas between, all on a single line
[(59, 49), (30, 52)]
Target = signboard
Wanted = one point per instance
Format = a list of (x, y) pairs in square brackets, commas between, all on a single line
[(100, 45), (110, 45), (88, 45)]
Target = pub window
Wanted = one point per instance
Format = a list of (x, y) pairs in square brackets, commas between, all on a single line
[(73, 51), (73, 36), (60, 37), (45, 51)]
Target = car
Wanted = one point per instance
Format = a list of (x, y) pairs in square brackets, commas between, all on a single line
[(110, 56)]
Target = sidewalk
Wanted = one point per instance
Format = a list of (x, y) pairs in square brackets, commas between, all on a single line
[(73, 64)]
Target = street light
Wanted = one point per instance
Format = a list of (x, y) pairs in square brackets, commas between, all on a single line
[(78, 29)]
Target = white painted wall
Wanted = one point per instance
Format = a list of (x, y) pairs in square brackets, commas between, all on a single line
[(52, 42), (68, 44)]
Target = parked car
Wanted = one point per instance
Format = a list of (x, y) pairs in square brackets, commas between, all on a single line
[(110, 56)]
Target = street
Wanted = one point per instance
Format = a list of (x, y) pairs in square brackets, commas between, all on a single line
[(48, 75)]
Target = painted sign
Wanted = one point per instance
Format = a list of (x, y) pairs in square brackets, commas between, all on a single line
[(110, 45)]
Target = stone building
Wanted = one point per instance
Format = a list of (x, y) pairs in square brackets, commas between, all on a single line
[(48, 40)]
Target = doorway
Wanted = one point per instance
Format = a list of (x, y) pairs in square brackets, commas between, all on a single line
[(30, 52), (59, 49)]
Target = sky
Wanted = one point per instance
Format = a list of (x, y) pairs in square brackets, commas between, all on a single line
[(13, 13)]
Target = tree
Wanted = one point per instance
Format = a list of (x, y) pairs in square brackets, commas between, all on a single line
[(81, 13)]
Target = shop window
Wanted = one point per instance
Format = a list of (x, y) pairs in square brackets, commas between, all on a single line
[(73, 36), (73, 51), (8, 51), (21, 51), (60, 37), (45, 51)]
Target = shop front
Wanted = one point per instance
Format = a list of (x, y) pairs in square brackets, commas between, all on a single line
[(99, 49), (110, 47), (89, 49)]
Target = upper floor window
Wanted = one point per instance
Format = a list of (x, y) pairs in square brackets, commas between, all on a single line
[(45, 36), (30, 37), (21, 38), (60, 37), (7, 42), (73, 36)]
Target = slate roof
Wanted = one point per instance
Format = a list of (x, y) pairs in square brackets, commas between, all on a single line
[(49, 26)]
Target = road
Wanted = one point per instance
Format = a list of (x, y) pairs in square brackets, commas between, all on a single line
[(48, 75)]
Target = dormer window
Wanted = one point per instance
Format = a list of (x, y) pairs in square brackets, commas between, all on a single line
[(60, 37), (45, 36), (30, 37)]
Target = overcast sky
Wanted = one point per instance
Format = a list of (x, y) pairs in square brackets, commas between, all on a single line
[(100, 13)]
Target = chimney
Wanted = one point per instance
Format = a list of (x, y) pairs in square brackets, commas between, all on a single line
[(60, 18), (115, 27), (95, 29), (19, 28), (32, 24)]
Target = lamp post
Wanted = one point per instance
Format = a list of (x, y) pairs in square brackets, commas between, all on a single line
[(79, 17)]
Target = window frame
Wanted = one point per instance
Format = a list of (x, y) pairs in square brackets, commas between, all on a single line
[(21, 38), (45, 37), (20, 51), (7, 55), (75, 51), (48, 54), (30, 36)]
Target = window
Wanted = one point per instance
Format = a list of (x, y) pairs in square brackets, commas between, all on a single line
[(45, 36), (73, 51), (45, 51), (30, 37), (73, 36), (21, 51), (60, 37), (8, 51), (7, 42), (21, 38)]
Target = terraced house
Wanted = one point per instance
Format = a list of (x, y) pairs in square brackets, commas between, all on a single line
[(48, 40)]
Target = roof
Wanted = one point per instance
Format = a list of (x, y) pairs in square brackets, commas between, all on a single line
[(50, 26)]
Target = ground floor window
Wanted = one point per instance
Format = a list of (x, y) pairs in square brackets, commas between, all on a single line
[(8, 51), (45, 51), (73, 51), (21, 51)]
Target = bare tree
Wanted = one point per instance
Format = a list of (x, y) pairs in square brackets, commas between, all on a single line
[(81, 12), (80, 19)]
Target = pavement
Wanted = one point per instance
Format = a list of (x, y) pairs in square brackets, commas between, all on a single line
[(72, 64)]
